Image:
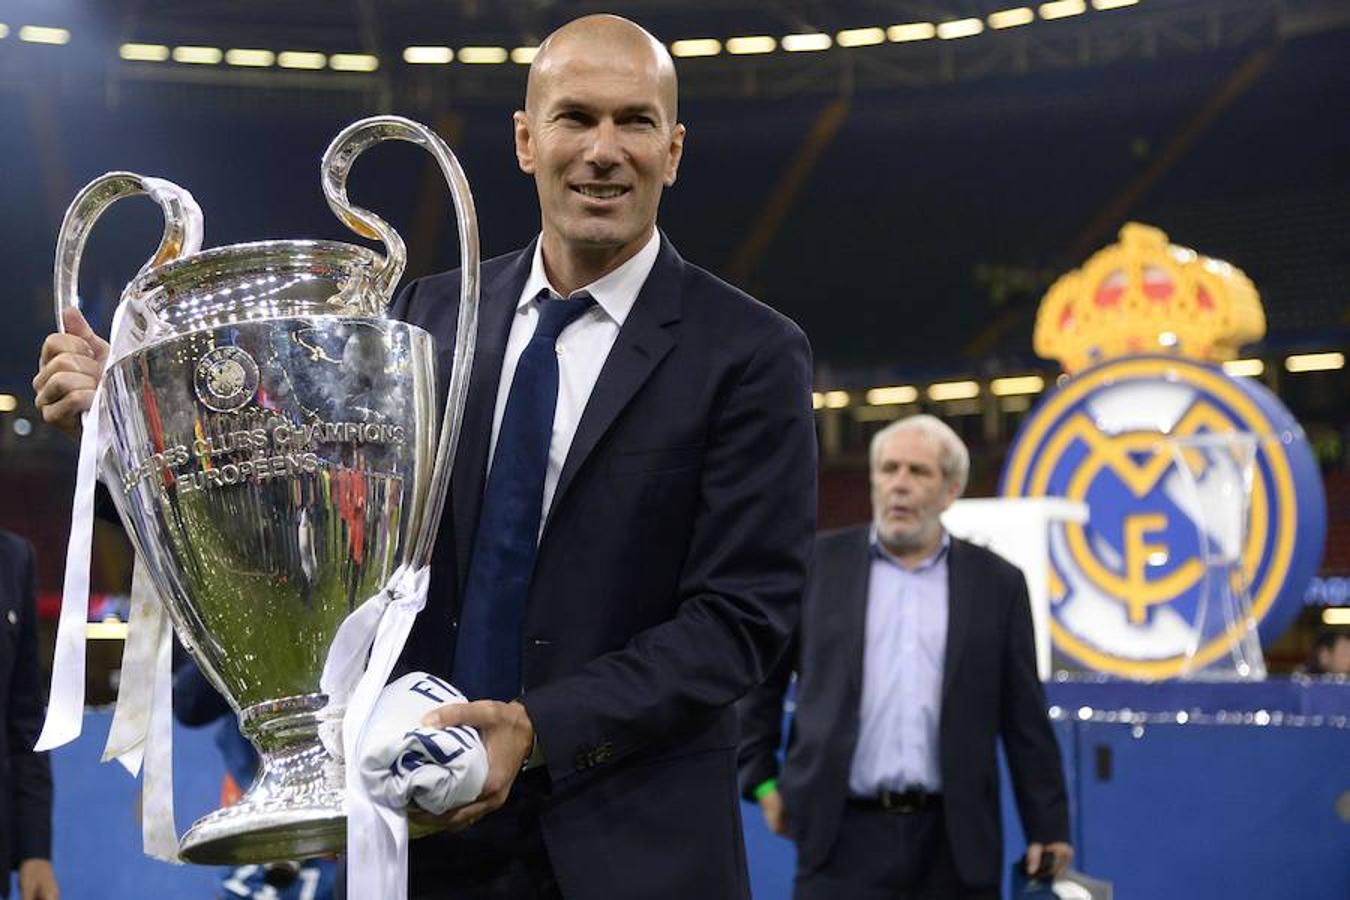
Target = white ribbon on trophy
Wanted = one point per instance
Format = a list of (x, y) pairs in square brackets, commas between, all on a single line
[(142, 726), (65, 705), (377, 834)]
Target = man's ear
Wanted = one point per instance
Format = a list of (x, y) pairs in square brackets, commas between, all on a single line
[(676, 154), (524, 142), (953, 494)]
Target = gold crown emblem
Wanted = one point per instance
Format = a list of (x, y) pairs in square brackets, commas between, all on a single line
[(1144, 295)]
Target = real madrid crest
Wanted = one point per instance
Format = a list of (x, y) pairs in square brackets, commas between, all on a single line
[(225, 379), (1141, 330)]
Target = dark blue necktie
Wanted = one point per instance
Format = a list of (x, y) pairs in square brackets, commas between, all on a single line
[(487, 652)]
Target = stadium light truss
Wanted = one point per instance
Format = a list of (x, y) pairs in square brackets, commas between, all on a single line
[(861, 36)]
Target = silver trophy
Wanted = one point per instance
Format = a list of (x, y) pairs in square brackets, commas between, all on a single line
[(275, 454)]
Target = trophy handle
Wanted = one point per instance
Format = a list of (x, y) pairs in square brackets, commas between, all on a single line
[(337, 162), (182, 228)]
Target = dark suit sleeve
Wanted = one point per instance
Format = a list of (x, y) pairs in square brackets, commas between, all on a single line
[(30, 806), (739, 587), (1028, 740), (196, 702), (761, 718), (402, 302)]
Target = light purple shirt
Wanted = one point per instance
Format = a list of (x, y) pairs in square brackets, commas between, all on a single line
[(906, 645)]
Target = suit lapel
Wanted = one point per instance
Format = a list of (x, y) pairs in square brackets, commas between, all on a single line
[(856, 576), (642, 343), (960, 596), (497, 303)]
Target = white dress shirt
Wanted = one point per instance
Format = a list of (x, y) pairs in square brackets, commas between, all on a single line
[(582, 348)]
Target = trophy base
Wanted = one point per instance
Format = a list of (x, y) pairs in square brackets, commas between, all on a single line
[(294, 810), (296, 835)]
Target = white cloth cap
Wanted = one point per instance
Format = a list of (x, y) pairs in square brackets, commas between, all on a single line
[(402, 762)]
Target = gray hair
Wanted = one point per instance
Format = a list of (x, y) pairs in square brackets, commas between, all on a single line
[(953, 457)]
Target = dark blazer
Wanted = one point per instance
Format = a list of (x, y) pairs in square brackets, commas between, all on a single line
[(990, 690), (667, 577), (25, 776)]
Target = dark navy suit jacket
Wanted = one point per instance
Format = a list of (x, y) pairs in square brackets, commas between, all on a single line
[(667, 578), (990, 691), (25, 776)]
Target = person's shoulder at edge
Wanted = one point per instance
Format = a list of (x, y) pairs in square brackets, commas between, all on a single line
[(13, 545), (998, 565), (835, 537), (439, 285), (708, 295), (704, 294)]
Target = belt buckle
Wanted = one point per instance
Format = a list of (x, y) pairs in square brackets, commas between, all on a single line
[(902, 803)]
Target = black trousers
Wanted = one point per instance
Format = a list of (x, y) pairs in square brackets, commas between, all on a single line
[(882, 855)]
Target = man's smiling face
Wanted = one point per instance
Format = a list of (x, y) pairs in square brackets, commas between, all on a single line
[(600, 139)]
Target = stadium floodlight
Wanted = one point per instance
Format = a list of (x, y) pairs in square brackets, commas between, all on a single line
[(143, 52), (1315, 362), (911, 31), (696, 47), (301, 59), (8, 403), (959, 28), (1061, 9), (480, 56), (1102, 5), (953, 390), (353, 62), (805, 43), (41, 34), (1336, 615), (1244, 367), (257, 59), (198, 56), (1014, 385), (758, 43), (860, 37), (4, 30), (1011, 18), (428, 56), (107, 630), (836, 399), (817, 399), (524, 55), (889, 396)]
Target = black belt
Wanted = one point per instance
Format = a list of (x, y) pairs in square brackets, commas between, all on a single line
[(900, 803)]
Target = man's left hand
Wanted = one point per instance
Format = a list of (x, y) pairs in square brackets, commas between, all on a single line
[(37, 881), (508, 738), (1063, 857)]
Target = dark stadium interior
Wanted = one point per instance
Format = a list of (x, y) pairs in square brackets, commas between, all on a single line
[(907, 208)]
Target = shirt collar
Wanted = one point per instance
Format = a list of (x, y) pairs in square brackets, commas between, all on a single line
[(615, 293), (879, 551)]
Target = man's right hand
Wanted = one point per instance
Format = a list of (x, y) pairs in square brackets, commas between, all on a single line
[(68, 372), (775, 814)]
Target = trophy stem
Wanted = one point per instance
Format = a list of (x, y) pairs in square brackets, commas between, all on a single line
[(294, 809)]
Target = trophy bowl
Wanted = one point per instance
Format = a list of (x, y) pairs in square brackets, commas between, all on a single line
[(274, 449)]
